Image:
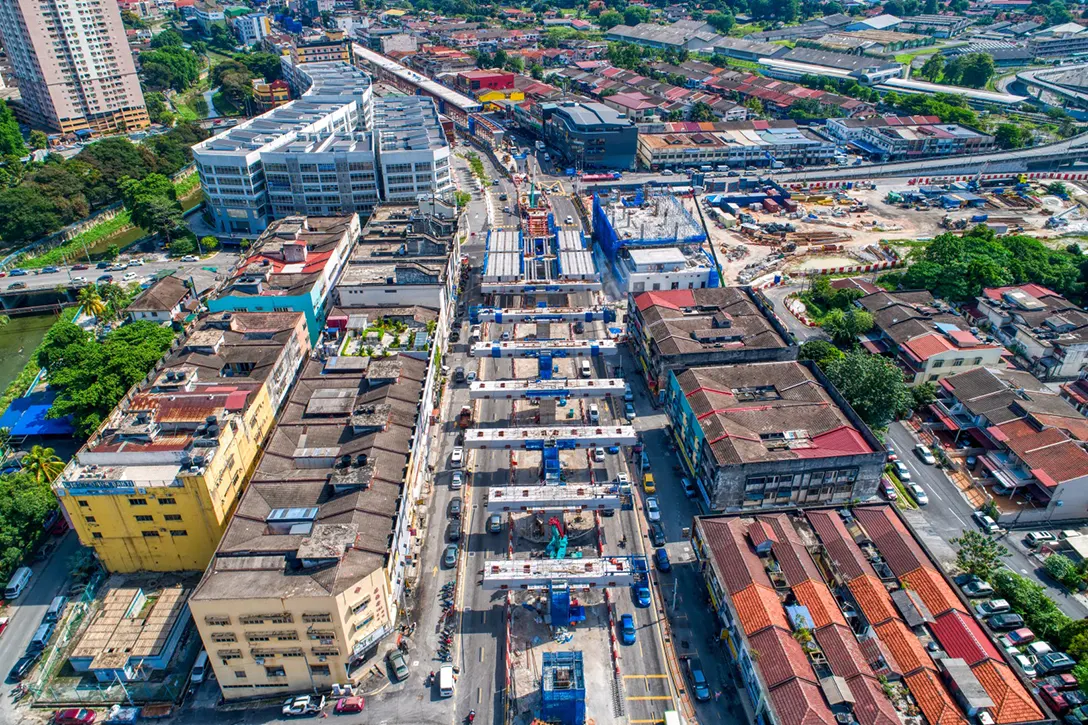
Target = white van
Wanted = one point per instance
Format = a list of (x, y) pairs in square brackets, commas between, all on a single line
[(587, 371), (200, 668), (445, 681), (18, 582)]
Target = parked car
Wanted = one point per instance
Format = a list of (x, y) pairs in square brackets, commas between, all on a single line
[(977, 588), (457, 480), (453, 531), (598, 454), (569, 219), (102, 265), (349, 704), (397, 663), (653, 510), (1019, 637), (1055, 663), (3, 624), (657, 534), (1054, 700), (629, 411), (49, 270), (1077, 716), (454, 509), (457, 458), (105, 279), (494, 523), (303, 705), (994, 606), (887, 490), (918, 493), (74, 716), (594, 413), (661, 560), (700, 685), (24, 665), (1061, 682), (925, 454), (1006, 621), (1026, 665), (985, 522), (78, 267), (17, 285), (449, 559), (627, 629), (901, 470), (189, 258), (18, 273), (1035, 538), (688, 487), (641, 591)]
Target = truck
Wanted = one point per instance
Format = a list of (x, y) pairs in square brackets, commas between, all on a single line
[(464, 420), (539, 145)]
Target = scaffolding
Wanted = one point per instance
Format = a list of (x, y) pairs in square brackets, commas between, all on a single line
[(535, 348), (537, 499), (554, 388), (564, 437)]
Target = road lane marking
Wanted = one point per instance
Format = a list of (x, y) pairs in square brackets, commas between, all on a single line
[(645, 677), (651, 697)]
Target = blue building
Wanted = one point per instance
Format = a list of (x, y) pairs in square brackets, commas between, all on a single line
[(292, 267)]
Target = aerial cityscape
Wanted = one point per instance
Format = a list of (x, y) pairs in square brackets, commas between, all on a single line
[(598, 361)]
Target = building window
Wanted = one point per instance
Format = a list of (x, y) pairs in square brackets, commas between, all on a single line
[(145, 519), (178, 532), (150, 534), (216, 621), (240, 674), (89, 519), (96, 535), (137, 502), (957, 362), (167, 501), (977, 361), (84, 504), (320, 670), (318, 617), (172, 517), (938, 364), (275, 671)]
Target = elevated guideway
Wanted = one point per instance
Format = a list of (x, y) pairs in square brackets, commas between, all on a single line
[(556, 388), (541, 314), (565, 437), (574, 573), (534, 499), (536, 348)]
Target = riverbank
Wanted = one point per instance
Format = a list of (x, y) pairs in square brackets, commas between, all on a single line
[(20, 339), (118, 231)]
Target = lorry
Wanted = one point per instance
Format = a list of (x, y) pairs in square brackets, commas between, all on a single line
[(539, 145), (464, 420)]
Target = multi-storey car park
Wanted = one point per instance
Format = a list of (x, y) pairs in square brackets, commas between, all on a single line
[(336, 150)]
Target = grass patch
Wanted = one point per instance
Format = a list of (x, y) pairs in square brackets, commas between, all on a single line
[(74, 248), (187, 184), (477, 165), (224, 106), (906, 58), (905, 500)]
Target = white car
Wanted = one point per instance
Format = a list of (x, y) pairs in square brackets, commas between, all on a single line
[(470, 376), (189, 258), (924, 453), (458, 457), (919, 493), (622, 479), (457, 480), (594, 413), (985, 522), (901, 470), (128, 276), (1026, 665), (79, 280), (653, 511), (304, 705), (598, 455), (569, 220), (136, 263)]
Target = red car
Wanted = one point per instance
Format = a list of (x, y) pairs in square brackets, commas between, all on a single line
[(350, 704), (74, 716), (1054, 700), (77, 267), (3, 624)]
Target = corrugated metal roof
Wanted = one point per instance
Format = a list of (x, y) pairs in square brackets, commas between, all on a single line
[(736, 563), (960, 636), (896, 544), (841, 549)]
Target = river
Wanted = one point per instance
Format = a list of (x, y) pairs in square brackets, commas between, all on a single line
[(18, 340), (132, 234)]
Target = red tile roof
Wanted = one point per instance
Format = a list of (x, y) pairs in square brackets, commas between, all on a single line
[(781, 657), (1034, 290), (842, 441), (757, 608), (844, 655), (904, 646), (800, 703), (871, 705), (840, 546), (960, 636), (932, 699), (924, 347), (1012, 703), (815, 596), (673, 299), (935, 593), (891, 537), (790, 553), (872, 598), (1050, 454), (732, 557)]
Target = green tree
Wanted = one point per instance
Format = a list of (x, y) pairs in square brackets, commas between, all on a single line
[(152, 204), (91, 301), (933, 67), (609, 19), (1032, 602), (845, 326), (209, 244), (702, 112), (167, 39), (978, 554), (25, 215), (873, 386), (1062, 569), (635, 14), (42, 464), (181, 246), (1057, 13), (462, 198), (1009, 136), (722, 21), (11, 139), (38, 140), (923, 395), (263, 65), (821, 352)]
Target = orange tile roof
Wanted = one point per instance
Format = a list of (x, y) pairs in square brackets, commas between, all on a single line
[(1012, 703), (904, 646), (758, 607), (935, 593), (873, 598), (821, 605), (932, 699)]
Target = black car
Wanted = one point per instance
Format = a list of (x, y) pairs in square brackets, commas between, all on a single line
[(1006, 621), (23, 667), (102, 265), (579, 327), (105, 279), (657, 534), (455, 507), (49, 270), (453, 531), (455, 336)]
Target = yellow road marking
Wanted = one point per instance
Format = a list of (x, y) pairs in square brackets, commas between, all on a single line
[(434, 572), (640, 677), (655, 721), (651, 697)]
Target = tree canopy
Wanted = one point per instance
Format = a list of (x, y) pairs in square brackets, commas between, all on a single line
[(873, 386), (978, 554), (11, 140)]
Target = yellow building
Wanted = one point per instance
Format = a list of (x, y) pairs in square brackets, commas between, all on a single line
[(155, 485), (329, 48), (270, 95), (486, 95), (298, 595)]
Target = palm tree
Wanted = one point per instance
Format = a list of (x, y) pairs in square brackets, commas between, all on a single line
[(43, 464), (91, 301)]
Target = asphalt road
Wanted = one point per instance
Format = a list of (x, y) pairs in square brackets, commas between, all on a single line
[(949, 514), (221, 261), (777, 296)]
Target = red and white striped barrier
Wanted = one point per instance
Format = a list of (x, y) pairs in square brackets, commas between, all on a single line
[(853, 269)]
